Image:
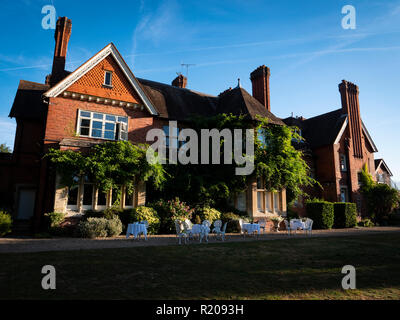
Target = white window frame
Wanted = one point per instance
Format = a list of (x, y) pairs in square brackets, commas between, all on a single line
[(105, 75), (100, 207), (87, 207), (73, 207), (103, 121), (132, 205), (346, 193), (342, 155)]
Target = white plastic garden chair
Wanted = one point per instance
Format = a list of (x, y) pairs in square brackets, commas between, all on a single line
[(207, 225), (222, 232), (188, 225), (308, 226), (288, 227), (217, 226), (180, 231), (242, 231)]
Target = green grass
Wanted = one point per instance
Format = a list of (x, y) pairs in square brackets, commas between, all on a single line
[(281, 269)]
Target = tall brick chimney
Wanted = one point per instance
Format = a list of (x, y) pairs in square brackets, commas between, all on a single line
[(61, 35), (180, 81), (351, 107), (260, 85)]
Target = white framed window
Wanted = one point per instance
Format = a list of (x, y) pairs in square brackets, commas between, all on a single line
[(101, 200), (268, 201), (73, 196), (87, 196), (129, 198), (276, 202), (260, 201), (108, 78), (344, 195), (102, 126), (241, 201), (343, 165), (173, 138)]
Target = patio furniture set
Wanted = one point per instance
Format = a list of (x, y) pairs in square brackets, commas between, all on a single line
[(187, 231)]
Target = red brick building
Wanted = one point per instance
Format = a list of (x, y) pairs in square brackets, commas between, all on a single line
[(337, 145), (102, 100)]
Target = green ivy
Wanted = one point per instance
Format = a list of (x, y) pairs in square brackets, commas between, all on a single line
[(109, 165)]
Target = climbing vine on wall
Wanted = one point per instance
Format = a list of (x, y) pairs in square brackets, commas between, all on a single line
[(109, 165)]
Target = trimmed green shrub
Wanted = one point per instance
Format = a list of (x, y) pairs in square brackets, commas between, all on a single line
[(321, 212), (233, 221), (53, 219), (345, 214), (207, 213), (109, 213), (112, 212), (93, 228), (5, 223), (366, 223), (114, 227), (146, 213)]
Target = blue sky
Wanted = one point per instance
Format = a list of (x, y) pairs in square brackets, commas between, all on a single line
[(303, 43)]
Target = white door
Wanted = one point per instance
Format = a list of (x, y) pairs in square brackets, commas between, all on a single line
[(26, 204)]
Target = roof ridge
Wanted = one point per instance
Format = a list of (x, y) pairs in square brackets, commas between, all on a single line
[(177, 88), (323, 114)]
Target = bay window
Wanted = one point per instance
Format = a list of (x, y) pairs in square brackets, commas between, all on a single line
[(102, 126)]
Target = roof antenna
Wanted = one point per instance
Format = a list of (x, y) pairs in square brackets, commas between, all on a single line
[(239, 86), (187, 65)]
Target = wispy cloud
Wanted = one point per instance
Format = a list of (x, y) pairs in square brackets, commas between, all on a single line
[(153, 26)]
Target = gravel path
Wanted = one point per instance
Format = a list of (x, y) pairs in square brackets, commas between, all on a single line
[(26, 244)]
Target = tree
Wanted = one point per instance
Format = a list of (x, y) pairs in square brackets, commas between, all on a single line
[(381, 198), (4, 148)]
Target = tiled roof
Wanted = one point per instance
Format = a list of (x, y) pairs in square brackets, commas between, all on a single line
[(380, 162), (239, 102), (28, 103), (180, 103), (171, 102), (320, 130)]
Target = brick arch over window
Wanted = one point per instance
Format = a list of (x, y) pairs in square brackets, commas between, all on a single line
[(92, 83)]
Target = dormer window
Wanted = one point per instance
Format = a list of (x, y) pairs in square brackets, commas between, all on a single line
[(108, 78)]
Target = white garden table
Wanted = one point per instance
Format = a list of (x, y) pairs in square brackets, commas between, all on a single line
[(136, 229), (297, 224), (201, 230), (251, 228)]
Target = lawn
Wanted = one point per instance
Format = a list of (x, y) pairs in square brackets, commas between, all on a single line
[(280, 269)]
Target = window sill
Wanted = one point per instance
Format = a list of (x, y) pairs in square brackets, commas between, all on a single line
[(107, 86)]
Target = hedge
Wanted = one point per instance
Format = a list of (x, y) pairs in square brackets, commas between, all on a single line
[(5, 223), (345, 214), (142, 213), (321, 212)]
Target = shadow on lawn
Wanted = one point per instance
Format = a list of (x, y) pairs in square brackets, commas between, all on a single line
[(293, 268)]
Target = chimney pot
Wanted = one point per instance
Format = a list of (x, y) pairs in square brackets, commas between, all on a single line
[(180, 81)]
